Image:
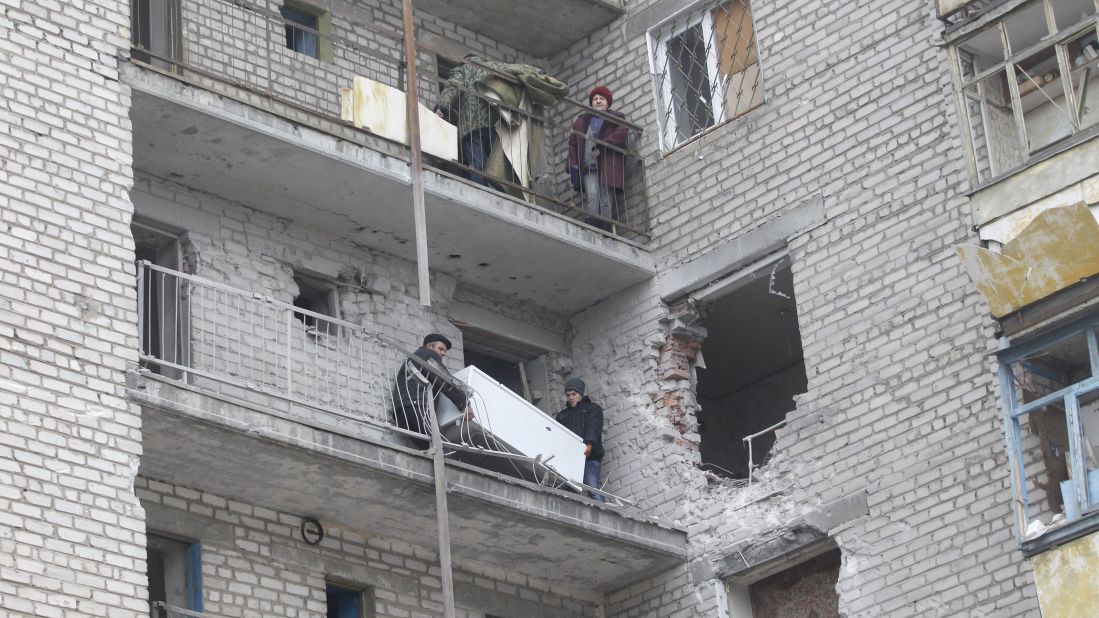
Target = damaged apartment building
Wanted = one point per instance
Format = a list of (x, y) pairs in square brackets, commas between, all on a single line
[(828, 267)]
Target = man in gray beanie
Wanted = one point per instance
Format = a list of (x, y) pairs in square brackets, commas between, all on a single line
[(584, 417)]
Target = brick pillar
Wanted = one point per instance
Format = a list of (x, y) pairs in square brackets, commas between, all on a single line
[(73, 540)]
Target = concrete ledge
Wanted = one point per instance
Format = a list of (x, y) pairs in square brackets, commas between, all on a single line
[(198, 441)]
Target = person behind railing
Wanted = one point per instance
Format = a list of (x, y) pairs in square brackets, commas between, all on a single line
[(597, 161), (491, 102), (416, 382), (459, 105), (584, 417)]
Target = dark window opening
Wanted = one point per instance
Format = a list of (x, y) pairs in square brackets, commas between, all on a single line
[(753, 369), (688, 57), (155, 32), (302, 27), (316, 296), (347, 602), (505, 371), (443, 67), (175, 572), (163, 320)]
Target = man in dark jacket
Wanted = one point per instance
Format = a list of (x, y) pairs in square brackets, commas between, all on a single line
[(422, 375), (584, 417)]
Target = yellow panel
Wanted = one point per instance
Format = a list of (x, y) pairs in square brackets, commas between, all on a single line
[(1065, 578), (1057, 249)]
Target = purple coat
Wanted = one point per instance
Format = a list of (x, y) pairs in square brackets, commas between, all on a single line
[(612, 162)]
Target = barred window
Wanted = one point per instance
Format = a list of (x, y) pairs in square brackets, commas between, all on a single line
[(706, 69)]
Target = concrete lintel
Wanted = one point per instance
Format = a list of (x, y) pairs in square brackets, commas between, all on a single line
[(836, 513), (465, 314), (752, 561), (736, 252), (639, 22), (1036, 182), (174, 522), (802, 538)]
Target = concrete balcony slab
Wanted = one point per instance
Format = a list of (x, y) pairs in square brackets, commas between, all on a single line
[(342, 471), (527, 25), (360, 191)]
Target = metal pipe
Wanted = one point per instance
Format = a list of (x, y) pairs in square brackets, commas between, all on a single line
[(413, 104), (441, 510)]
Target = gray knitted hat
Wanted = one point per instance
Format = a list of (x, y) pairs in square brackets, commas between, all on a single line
[(575, 384)]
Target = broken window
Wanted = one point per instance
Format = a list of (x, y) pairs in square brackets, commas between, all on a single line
[(319, 300), (175, 572), (1027, 83), (706, 67), (163, 315), (753, 367), (1051, 391), (346, 601), (305, 29), (805, 589)]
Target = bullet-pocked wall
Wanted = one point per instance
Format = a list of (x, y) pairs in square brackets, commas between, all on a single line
[(74, 531), (857, 125)]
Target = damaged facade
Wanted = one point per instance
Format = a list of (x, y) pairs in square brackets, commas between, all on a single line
[(840, 313)]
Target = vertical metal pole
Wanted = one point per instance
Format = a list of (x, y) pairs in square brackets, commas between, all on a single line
[(289, 353), (413, 104), (441, 511)]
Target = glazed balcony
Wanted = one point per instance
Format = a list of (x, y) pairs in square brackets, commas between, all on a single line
[(243, 100)]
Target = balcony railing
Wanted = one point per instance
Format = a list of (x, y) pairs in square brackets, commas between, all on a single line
[(249, 347), (301, 60)]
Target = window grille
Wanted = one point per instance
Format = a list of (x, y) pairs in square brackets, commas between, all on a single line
[(705, 65)]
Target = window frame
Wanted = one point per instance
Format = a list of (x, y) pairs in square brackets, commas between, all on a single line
[(1014, 411), (657, 38), (1056, 39), (192, 568), (321, 32), (366, 605)]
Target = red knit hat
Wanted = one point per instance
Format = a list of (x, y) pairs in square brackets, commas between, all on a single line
[(602, 90)]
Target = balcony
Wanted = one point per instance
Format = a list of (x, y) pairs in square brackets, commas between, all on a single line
[(232, 99), (290, 409)]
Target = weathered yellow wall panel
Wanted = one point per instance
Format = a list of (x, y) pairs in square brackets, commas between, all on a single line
[(1057, 249), (1067, 579)]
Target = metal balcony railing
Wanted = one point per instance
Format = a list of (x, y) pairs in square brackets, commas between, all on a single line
[(250, 347), (301, 59)]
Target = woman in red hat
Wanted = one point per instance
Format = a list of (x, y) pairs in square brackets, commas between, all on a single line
[(597, 158)]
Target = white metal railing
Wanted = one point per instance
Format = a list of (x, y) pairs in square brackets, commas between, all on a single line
[(752, 466), (233, 340)]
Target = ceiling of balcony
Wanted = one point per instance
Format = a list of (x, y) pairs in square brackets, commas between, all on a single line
[(527, 25), (358, 194)]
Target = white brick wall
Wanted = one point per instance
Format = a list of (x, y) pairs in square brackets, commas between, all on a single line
[(254, 563), (73, 532), (902, 399)]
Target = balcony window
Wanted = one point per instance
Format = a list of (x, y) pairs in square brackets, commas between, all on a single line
[(318, 297), (1050, 388), (1027, 82), (305, 27), (175, 573), (706, 67), (347, 601)]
